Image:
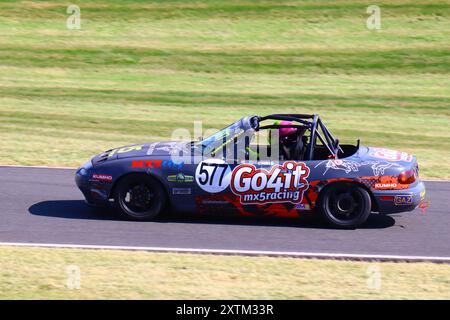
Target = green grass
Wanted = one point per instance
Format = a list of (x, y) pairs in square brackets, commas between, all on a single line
[(37, 273), (139, 69)]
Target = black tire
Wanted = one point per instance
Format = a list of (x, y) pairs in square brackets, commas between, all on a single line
[(345, 205), (139, 197)]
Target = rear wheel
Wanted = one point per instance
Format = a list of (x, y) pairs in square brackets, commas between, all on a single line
[(139, 197), (345, 205)]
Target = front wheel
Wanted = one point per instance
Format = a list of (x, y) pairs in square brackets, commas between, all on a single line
[(139, 197), (345, 205)]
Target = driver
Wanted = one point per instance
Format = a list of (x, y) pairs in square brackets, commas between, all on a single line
[(289, 142), (288, 139)]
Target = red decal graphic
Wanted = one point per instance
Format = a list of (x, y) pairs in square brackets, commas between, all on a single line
[(146, 164), (285, 183), (383, 183)]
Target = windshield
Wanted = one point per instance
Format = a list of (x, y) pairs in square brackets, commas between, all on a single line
[(217, 141), (221, 138)]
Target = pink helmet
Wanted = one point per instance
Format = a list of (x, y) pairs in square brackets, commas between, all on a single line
[(284, 132)]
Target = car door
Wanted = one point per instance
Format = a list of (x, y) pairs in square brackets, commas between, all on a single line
[(270, 188)]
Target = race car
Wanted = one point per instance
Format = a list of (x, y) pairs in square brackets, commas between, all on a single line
[(284, 165)]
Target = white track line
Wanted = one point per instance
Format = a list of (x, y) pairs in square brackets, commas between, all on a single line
[(305, 255)]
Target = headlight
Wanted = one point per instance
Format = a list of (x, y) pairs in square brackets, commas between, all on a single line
[(83, 170)]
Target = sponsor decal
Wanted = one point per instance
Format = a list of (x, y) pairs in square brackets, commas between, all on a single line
[(285, 183), (390, 155), (265, 163), (169, 164), (180, 178), (165, 164), (213, 175), (102, 177), (383, 182), (403, 200), (146, 164), (385, 186), (182, 191), (303, 207)]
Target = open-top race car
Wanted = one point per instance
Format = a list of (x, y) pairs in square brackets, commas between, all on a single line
[(277, 165)]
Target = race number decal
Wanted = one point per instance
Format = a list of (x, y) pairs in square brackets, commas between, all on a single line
[(124, 150), (213, 175)]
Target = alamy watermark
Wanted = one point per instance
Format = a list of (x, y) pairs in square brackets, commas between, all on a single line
[(232, 145), (373, 278), (73, 280), (374, 20), (73, 22)]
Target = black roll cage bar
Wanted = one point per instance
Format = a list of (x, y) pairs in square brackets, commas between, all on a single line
[(308, 122)]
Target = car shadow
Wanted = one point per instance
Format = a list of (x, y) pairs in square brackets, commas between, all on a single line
[(70, 209), (77, 209)]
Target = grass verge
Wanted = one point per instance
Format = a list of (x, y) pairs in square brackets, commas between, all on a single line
[(40, 273)]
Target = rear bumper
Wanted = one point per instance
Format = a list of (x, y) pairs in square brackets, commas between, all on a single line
[(395, 201)]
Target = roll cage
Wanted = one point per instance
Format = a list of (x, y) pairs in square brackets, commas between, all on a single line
[(313, 125), (310, 126)]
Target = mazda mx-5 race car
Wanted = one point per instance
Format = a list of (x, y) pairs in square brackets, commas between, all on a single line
[(277, 165)]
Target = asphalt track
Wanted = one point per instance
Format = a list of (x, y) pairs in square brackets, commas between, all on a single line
[(44, 206)]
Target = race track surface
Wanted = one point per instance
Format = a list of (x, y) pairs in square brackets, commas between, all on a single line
[(45, 206)]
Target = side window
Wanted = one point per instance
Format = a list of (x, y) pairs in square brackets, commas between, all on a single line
[(260, 148)]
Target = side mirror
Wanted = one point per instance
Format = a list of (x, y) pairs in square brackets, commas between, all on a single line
[(255, 123), (249, 123)]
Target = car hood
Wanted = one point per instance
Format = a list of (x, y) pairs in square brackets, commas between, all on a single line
[(156, 149)]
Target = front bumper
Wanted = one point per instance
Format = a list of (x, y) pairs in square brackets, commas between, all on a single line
[(395, 201), (94, 192)]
